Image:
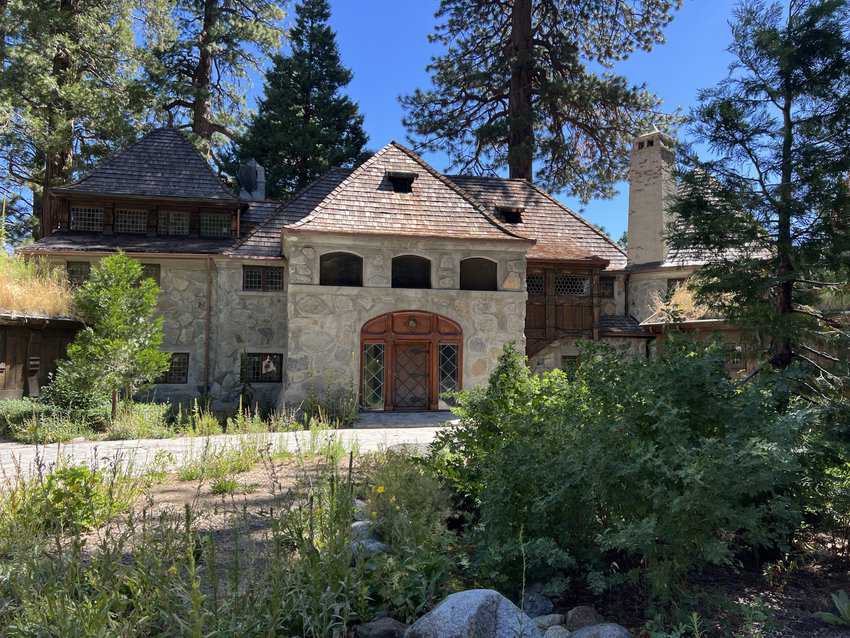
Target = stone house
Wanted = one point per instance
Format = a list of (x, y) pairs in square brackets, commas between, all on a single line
[(391, 279)]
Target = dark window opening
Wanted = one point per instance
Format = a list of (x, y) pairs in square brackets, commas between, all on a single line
[(650, 143), (340, 269), (262, 367), (178, 370), (151, 271), (262, 278), (401, 182), (477, 273), (78, 272), (411, 271), (606, 287), (510, 214)]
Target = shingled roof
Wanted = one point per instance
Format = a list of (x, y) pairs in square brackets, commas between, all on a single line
[(364, 202), (561, 234), (163, 164)]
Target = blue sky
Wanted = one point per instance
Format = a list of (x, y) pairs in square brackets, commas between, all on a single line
[(384, 43)]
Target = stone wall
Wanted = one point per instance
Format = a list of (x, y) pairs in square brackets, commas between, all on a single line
[(325, 321), (645, 287), (550, 357), (617, 305)]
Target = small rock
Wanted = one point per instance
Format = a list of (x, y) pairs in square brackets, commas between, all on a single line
[(475, 613), (557, 632), (605, 630), (368, 547), (536, 604), (382, 628), (361, 530), (549, 620), (582, 616)]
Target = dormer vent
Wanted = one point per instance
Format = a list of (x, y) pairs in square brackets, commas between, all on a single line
[(510, 214), (401, 182)]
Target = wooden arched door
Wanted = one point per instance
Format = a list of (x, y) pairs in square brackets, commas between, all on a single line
[(408, 359)]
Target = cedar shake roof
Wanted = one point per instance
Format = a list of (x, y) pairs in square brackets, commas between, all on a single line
[(70, 242), (621, 326), (561, 234), (163, 164), (364, 202)]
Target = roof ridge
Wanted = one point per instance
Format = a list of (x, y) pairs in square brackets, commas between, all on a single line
[(444, 179), (577, 216)]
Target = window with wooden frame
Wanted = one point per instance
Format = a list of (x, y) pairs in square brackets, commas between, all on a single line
[(215, 225), (411, 271), (78, 272), (132, 221), (173, 223), (477, 273), (262, 278), (178, 370), (606, 287), (262, 367), (340, 269), (87, 218), (151, 271)]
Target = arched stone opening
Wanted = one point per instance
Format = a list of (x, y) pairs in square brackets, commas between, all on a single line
[(408, 359)]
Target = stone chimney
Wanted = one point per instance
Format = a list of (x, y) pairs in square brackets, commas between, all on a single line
[(651, 187), (252, 181)]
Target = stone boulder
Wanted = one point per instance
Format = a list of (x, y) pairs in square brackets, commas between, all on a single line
[(368, 547), (582, 616), (382, 628), (361, 530), (605, 630), (557, 632), (475, 613), (536, 604), (549, 620)]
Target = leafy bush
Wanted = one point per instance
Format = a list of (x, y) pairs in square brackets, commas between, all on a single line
[(14, 412), (50, 428), (625, 473)]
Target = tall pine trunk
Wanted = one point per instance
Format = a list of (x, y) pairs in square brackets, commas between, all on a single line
[(782, 351), (520, 118), (202, 75)]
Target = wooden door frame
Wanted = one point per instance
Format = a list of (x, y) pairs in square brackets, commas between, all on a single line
[(442, 331)]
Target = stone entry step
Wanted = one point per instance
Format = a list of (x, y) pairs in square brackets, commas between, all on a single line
[(437, 418)]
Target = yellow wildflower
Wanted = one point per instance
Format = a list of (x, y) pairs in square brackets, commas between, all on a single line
[(380, 489)]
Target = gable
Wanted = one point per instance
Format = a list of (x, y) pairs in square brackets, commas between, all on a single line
[(366, 203)]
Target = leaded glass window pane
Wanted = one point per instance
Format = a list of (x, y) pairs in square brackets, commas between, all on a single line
[(448, 367), (535, 283), (571, 285), (215, 225), (87, 218), (131, 220), (173, 223), (373, 376)]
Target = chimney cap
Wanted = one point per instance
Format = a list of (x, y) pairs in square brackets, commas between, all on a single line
[(650, 138)]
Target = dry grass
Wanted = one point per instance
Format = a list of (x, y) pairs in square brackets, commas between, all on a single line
[(33, 287), (682, 303)]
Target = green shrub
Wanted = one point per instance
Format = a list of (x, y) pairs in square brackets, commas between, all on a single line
[(50, 428), (14, 412), (141, 421), (203, 422), (626, 473)]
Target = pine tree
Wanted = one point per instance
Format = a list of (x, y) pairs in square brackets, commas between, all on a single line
[(771, 209), (305, 125), (514, 86), (67, 95), (198, 54)]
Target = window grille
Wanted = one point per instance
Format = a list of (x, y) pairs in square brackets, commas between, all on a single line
[(262, 278), (262, 367), (571, 285), (131, 220), (606, 287), (448, 366), (151, 271), (215, 225), (535, 283), (78, 272), (178, 369), (173, 223), (373, 376), (87, 218)]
